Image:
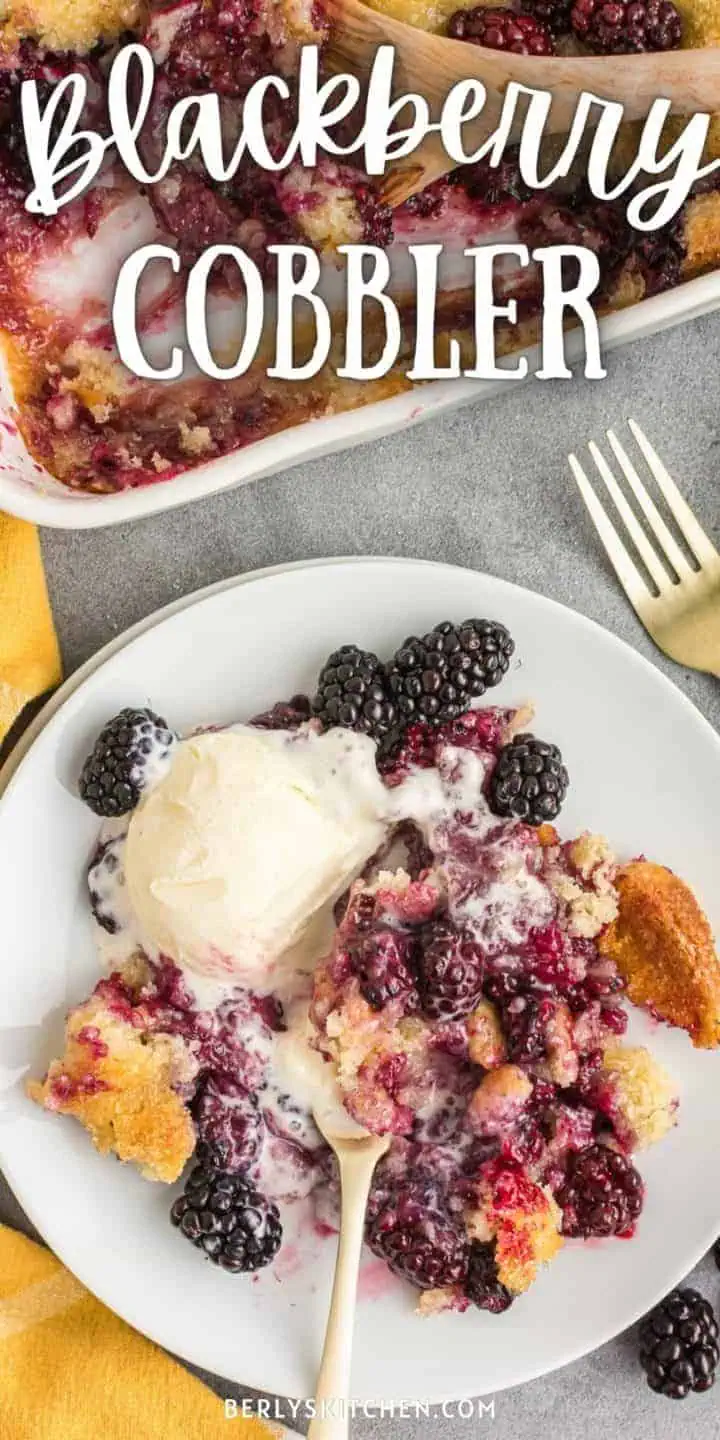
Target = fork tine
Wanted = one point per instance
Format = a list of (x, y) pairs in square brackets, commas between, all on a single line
[(702, 548), (625, 568), (664, 536), (635, 531)]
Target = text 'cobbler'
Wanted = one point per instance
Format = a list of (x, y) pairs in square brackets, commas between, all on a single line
[(367, 325)]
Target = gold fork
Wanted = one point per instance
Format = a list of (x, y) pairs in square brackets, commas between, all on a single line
[(681, 609)]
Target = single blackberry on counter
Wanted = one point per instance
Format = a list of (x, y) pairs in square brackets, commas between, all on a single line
[(505, 29), (529, 781), (679, 1345), (482, 1286), (418, 1241), (602, 1194), (129, 751), (352, 691), (625, 27), (450, 972), (229, 1219), (437, 677)]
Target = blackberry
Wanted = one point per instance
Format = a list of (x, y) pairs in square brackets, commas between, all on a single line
[(661, 255), (529, 781), (614, 1018), (228, 1119), (436, 678), (585, 1087), (210, 1157), (418, 1240), (286, 715), (555, 14), (679, 1345), (602, 1194), (479, 730), (105, 880), (482, 1285), (494, 184), (549, 959), (352, 691), (716, 1253), (383, 963), (502, 30), (229, 1219), (501, 986), (624, 27), (526, 1144), (525, 1021), (128, 749), (658, 256), (450, 972), (428, 202)]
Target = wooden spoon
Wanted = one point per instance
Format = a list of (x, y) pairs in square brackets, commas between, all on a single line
[(431, 64), (357, 1155)]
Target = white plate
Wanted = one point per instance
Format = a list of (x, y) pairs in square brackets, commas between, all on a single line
[(645, 770), (27, 490)]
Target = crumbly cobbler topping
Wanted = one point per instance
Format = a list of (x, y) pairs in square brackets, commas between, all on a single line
[(124, 1082), (663, 947)]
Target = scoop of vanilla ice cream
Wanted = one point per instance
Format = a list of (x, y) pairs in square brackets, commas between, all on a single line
[(249, 833)]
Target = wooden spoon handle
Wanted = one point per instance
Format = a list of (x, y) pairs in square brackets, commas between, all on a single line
[(431, 64), (334, 1379)]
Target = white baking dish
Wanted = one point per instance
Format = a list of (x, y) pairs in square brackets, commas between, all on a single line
[(27, 490)]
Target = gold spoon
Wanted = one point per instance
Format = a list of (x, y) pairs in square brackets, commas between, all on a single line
[(357, 1154), (430, 65)]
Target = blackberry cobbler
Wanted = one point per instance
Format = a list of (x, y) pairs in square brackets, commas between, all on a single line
[(93, 424), (361, 898)]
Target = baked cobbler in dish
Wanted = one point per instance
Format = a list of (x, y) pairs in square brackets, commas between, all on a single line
[(96, 426), (363, 900)]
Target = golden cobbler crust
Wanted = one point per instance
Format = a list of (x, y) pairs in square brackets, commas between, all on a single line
[(702, 232), (645, 1095), (701, 22), (424, 14), (78, 25), (663, 947), (122, 1083), (70, 24)]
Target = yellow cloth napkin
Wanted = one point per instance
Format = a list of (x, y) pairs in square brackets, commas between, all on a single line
[(71, 1370), (29, 654)]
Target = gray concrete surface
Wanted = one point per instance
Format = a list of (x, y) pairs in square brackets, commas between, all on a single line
[(487, 487)]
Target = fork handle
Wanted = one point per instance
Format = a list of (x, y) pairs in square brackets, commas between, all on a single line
[(333, 1385)]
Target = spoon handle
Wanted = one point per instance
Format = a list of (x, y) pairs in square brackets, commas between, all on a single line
[(431, 64), (333, 1386)]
